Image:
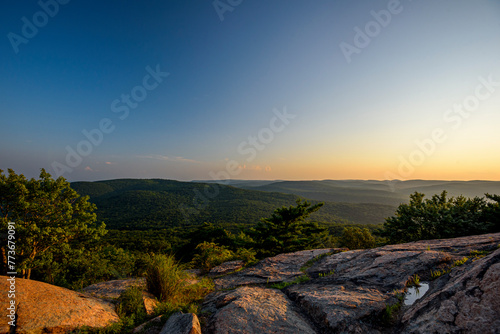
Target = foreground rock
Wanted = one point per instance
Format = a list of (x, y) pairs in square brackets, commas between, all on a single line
[(254, 310), (468, 302), (44, 308), (352, 292), (180, 323), (280, 268)]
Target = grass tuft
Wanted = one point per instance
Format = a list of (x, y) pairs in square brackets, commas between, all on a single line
[(298, 280)]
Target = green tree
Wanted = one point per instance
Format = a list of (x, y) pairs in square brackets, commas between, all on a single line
[(50, 218), (356, 238), (437, 217), (491, 213), (286, 231), (210, 255)]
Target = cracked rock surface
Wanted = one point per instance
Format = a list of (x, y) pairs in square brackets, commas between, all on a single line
[(349, 292), (469, 302)]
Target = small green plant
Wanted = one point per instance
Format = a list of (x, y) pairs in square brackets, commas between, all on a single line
[(428, 248), (438, 273), (477, 254), (460, 262), (282, 285), (331, 272), (413, 281)]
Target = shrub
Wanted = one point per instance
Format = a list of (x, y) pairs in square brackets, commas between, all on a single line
[(130, 303), (356, 238), (246, 255), (165, 278), (210, 255)]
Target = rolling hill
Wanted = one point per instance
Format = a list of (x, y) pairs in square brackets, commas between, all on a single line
[(142, 204), (379, 192)]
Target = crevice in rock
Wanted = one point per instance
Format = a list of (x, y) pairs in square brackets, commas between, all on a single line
[(318, 327)]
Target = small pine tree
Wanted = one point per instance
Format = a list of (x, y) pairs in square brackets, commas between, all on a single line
[(286, 231)]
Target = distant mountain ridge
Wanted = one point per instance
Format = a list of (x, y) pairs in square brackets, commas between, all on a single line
[(370, 191)]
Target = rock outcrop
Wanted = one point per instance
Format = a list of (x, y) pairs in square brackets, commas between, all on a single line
[(357, 291), (182, 323), (44, 308)]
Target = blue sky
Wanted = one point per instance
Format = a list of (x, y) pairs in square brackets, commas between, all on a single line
[(384, 111)]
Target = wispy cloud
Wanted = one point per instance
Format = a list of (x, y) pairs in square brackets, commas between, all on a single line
[(88, 169), (182, 159), (165, 158)]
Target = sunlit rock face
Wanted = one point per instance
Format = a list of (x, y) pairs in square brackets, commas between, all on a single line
[(352, 291), (45, 308)]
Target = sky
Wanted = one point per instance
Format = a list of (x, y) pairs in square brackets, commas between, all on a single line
[(284, 89)]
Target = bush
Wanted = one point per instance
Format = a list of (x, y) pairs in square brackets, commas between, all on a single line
[(165, 278), (356, 238), (131, 304), (210, 255), (246, 255)]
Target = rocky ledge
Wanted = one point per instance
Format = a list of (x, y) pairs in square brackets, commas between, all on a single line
[(362, 291)]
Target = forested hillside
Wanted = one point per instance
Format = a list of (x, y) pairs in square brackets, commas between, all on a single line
[(372, 191), (140, 204)]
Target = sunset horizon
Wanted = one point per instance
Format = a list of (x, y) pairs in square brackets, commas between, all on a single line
[(367, 90)]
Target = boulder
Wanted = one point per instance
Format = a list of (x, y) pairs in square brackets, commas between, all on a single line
[(45, 308), (341, 308), (180, 323), (247, 310)]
